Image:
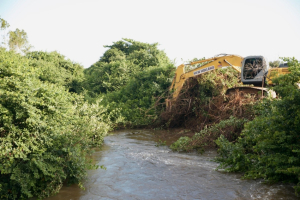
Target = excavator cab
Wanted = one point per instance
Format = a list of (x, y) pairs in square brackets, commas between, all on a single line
[(253, 70)]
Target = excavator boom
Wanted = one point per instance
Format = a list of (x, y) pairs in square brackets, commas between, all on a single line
[(210, 64)]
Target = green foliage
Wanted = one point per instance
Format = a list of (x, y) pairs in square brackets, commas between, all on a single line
[(45, 131), (270, 144), (130, 76), (182, 144), (4, 24), (274, 63), (55, 68), (136, 100), (18, 41), (229, 128), (191, 67), (161, 143), (107, 77), (216, 83), (122, 61), (3, 30)]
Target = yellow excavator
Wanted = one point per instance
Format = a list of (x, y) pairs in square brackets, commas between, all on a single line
[(254, 70)]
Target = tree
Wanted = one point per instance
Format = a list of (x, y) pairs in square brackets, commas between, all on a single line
[(122, 61), (4, 24), (56, 68), (18, 41), (3, 27), (274, 63)]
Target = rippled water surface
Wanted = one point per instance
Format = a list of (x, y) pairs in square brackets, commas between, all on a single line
[(137, 169)]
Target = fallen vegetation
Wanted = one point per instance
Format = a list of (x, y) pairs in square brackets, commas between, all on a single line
[(203, 107)]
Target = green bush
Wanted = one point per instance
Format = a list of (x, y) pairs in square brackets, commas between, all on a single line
[(130, 77), (122, 61), (229, 128), (55, 68), (270, 144), (45, 131), (137, 100), (182, 144)]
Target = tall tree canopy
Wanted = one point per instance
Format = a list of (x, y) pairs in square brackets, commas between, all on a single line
[(129, 77), (55, 68), (18, 41), (123, 59), (4, 24)]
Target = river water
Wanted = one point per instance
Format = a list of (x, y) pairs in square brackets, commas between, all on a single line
[(136, 168)]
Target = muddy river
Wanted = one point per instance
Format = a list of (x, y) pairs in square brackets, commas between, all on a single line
[(136, 168)]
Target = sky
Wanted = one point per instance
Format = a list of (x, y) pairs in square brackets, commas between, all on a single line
[(185, 29)]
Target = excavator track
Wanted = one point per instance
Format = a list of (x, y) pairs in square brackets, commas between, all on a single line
[(257, 92)]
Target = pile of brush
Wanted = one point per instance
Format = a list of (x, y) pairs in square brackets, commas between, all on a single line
[(203, 104)]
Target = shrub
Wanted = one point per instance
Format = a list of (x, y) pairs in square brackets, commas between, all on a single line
[(137, 101), (121, 62), (131, 78), (229, 128), (55, 68)]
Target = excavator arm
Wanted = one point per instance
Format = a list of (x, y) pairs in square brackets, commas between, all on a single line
[(214, 63)]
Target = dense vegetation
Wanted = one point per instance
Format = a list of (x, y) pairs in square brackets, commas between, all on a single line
[(122, 61), (269, 146), (45, 131), (130, 77), (54, 68)]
